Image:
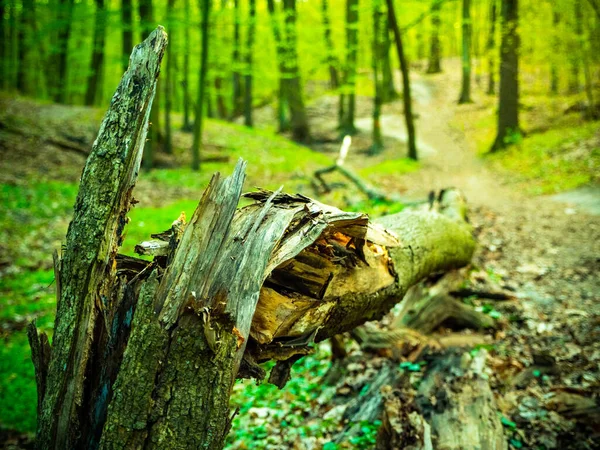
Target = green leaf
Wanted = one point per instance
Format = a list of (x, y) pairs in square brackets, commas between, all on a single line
[(330, 446), (508, 423), (515, 443)]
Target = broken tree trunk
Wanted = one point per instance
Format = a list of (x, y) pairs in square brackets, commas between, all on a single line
[(145, 353), (86, 271)]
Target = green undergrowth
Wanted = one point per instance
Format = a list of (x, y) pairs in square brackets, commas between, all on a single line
[(390, 167), (556, 152), (553, 161)]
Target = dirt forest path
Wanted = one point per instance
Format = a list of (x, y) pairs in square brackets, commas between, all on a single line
[(546, 250)]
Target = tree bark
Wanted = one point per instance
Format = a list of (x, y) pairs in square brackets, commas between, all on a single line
[(454, 409), (347, 97), (96, 76), (406, 97), (60, 86), (491, 45), (389, 90), (282, 104), (146, 12), (187, 103), (3, 50), (206, 6), (169, 81), (508, 105), (331, 59), (127, 33), (26, 46), (291, 76), (237, 63), (378, 30), (86, 270), (465, 92), (249, 68), (555, 51), (435, 47)]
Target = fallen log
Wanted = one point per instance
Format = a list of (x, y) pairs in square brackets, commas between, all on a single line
[(142, 351)]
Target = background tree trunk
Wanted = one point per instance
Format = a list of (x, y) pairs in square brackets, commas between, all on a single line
[(3, 48), (465, 92), (389, 90), (127, 33), (249, 68), (237, 63), (555, 51), (205, 10), (293, 86), (96, 76), (508, 106), (282, 104), (378, 31), (331, 59), (169, 81), (187, 102), (26, 46), (406, 95), (490, 47), (348, 95), (435, 47), (60, 85)]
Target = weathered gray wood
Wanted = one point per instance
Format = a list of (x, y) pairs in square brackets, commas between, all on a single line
[(456, 400), (94, 236)]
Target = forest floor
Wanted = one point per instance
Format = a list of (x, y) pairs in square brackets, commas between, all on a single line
[(534, 240)]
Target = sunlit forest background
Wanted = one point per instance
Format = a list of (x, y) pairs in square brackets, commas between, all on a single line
[(500, 98)]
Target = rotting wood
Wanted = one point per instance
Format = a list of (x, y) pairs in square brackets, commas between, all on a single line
[(453, 408)]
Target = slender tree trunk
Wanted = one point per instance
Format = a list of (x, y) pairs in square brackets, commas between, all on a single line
[(237, 63), (169, 79), (249, 67), (347, 125), (465, 93), (26, 46), (146, 12), (435, 48), (585, 59), (508, 106), (293, 85), (575, 50), (282, 104), (378, 31), (331, 59), (3, 48), (406, 97), (205, 6), (555, 51), (127, 34), (491, 45), (12, 45), (389, 90), (60, 89), (187, 103), (96, 77)]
